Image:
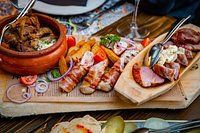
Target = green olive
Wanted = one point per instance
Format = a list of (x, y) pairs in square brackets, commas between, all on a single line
[(115, 125), (130, 127)]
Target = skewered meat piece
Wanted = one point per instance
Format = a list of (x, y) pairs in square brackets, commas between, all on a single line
[(145, 76), (176, 67), (164, 72), (93, 77), (110, 78), (186, 36), (70, 81), (182, 59)]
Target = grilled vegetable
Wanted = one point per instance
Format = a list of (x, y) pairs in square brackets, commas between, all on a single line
[(91, 42), (80, 43), (78, 54), (110, 54), (28, 80), (71, 41), (95, 47), (62, 65), (146, 42), (100, 55)]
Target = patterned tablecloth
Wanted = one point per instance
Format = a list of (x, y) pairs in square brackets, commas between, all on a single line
[(113, 10)]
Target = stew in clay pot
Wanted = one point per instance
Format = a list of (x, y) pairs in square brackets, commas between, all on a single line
[(23, 57)]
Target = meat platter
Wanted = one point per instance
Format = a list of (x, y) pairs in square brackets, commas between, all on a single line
[(131, 89), (92, 65)]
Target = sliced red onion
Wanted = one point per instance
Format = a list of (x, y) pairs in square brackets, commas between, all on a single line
[(33, 85), (50, 77), (41, 87), (25, 95), (129, 42), (39, 80)]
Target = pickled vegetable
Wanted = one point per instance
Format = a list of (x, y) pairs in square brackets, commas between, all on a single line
[(62, 65), (115, 125), (110, 54)]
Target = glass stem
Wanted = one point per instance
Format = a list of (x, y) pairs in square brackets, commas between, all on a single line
[(135, 13), (134, 26)]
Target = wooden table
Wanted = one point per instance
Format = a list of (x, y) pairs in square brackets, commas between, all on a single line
[(44, 123)]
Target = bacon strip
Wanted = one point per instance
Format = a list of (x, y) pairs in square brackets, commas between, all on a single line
[(110, 78), (69, 82), (93, 77), (78, 71)]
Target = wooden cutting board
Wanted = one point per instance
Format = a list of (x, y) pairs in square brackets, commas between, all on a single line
[(130, 89), (181, 96)]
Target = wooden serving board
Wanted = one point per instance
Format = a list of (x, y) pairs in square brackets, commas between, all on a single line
[(181, 96), (130, 89), (189, 85)]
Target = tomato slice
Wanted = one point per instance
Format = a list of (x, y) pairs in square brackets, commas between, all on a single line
[(71, 41), (100, 55), (28, 80), (146, 42)]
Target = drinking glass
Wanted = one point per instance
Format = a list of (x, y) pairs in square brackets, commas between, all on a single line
[(131, 29)]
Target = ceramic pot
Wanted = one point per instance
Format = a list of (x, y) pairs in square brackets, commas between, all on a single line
[(37, 62)]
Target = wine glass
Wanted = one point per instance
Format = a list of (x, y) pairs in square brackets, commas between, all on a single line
[(131, 30)]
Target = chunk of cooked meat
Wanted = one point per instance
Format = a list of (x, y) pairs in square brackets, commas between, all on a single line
[(110, 78), (11, 38), (26, 33), (164, 72), (188, 54), (182, 59), (42, 32), (190, 47), (176, 67), (24, 48), (145, 76), (93, 77), (186, 36)]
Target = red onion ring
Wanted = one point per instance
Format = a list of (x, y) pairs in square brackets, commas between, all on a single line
[(40, 89), (129, 42), (50, 77), (25, 95)]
